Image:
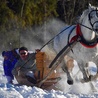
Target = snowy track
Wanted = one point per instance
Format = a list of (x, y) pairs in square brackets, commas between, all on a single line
[(78, 90)]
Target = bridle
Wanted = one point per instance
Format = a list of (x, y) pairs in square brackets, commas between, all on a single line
[(92, 24), (89, 17)]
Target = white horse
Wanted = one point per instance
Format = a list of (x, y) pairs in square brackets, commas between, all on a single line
[(86, 49)]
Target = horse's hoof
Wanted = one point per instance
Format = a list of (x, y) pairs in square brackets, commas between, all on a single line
[(90, 77), (70, 82), (85, 80), (93, 77)]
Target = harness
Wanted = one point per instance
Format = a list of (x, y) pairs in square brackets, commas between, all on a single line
[(85, 43)]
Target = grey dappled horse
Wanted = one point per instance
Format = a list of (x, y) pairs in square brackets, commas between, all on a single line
[(86, 49)]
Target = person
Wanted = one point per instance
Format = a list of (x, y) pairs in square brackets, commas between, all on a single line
[(8, 64), (25, 69)]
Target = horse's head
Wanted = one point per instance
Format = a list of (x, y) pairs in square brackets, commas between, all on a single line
[(89, 23), (93, 17)]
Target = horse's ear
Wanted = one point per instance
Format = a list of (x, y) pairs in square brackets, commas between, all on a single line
[(90, 5)]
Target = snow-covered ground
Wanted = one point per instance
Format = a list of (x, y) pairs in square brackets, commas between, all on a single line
[(77, 90)]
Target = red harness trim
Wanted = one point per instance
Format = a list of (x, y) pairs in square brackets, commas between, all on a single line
[(74, 38), (79, 33)]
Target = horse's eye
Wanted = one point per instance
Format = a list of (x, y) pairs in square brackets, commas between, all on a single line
[(91, 16)]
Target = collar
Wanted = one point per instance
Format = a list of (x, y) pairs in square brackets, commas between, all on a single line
[(85, 43)]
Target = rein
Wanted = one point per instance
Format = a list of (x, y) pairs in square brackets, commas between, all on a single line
[(44, 46), (54, 37), (22, 66), (85, 26)]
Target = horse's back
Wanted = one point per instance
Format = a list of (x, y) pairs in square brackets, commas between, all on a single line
[(63, 38)]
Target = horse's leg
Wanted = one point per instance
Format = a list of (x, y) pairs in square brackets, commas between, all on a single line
[(96, 63), (85, 77), (86, 69), (94, 77), (69, 78), (68, 68)]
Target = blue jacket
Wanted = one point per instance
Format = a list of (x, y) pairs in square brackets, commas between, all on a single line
[(9, 63)]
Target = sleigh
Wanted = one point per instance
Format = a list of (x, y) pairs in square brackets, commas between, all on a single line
[(47, 78), (48, 69)]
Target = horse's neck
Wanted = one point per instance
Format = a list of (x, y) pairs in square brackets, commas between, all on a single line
[(87, 33)]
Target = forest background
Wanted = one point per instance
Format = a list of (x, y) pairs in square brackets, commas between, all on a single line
[(18, 17)]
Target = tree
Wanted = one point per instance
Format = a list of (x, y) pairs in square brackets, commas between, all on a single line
[(69, 10)]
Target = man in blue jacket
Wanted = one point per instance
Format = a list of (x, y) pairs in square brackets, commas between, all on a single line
[(8, 64)]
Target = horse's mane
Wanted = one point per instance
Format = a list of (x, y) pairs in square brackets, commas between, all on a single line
[(85, 13)]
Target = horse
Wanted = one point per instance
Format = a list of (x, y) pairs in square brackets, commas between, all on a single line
[(85, 32)]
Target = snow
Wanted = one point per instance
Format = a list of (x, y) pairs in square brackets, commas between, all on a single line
[(77, 90)]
